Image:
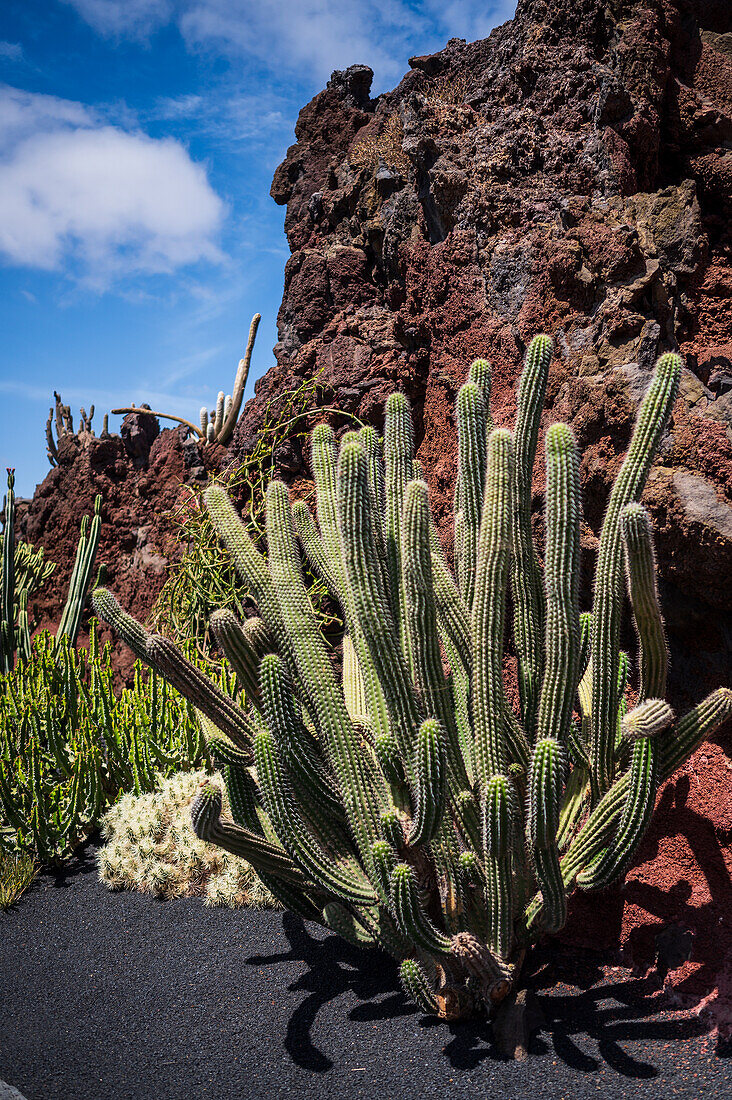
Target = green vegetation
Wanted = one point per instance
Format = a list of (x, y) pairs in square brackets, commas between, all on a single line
[(409, 808), (69, 746), (17, 871), (204, 579), (24, 571)]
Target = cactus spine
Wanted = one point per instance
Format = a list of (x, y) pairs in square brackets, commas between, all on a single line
[(403, 803)]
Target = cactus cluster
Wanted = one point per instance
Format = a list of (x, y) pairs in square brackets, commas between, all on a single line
[(69, 745), (402, 802), (63, 420), (217, 424), (152, 848), (24, 571)]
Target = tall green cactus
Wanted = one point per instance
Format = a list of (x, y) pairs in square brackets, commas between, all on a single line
[(24, 571), (402, 802)]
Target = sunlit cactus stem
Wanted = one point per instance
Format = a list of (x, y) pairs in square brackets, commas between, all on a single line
[(471, 423), (81, 576), (562, 569), (494, 553), (653, 416), (526, 585)]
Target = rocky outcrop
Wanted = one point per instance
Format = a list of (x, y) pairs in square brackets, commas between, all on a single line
[(571, 174), (141, 475)]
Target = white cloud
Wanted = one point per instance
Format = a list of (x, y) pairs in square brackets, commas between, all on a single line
[(23, 113), (309, 37), (124, 17), (11, 51), (95, 200)]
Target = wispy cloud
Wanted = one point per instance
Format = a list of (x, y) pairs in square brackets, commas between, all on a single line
[(137, 18), (309, 38), (11, 51), (96, 200)]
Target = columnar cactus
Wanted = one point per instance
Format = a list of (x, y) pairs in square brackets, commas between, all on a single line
[(403, 803), (216, 425)]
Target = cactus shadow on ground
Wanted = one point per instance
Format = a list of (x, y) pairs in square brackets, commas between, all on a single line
[(334, 968), (588, 1021)]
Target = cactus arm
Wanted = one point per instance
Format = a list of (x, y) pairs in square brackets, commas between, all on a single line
[(324, 462), (416, 986), (653, 416), (219, 417), (244, 648), (398, 456), (695, 727), (490, 608), (83, 567), (561, 575), (634, 821), (359, 794), (344, 878), (526, 586), (431, 767), (584, 643), (369, 600), (594, 836), (163, 655), (250, 565), (373, 446), (339, 920), (411, 916), (452, 614), (130, 631), (315, 551), (471, 422), (421, 620), (209, 825), (545, 797), (240, 382), (480, 375), (384, 861), (313, 786), (499, 812)]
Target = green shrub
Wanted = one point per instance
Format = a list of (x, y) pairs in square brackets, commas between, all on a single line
[(409, 807), (69, 745), (17, 871)]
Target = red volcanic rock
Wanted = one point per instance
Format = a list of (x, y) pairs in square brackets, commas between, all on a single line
[(141, 476)]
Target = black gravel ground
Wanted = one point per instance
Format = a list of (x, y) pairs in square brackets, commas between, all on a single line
[(119, 996)]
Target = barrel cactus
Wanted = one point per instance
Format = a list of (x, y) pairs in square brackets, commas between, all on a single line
[(396, 796)]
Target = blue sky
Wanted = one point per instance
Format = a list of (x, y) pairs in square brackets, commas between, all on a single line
[(137, 144)]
